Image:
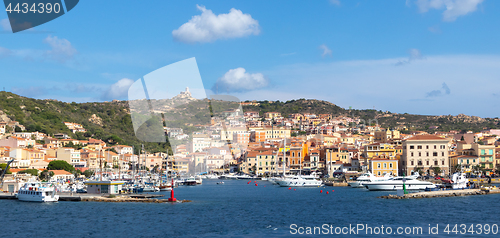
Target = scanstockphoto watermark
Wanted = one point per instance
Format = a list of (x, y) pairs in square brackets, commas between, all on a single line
[(362, 229)]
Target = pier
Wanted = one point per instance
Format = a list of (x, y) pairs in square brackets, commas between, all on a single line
[(444, 193), (336, 184), (82, 197)]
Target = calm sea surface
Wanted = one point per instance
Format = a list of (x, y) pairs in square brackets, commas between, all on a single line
[(237, 209)]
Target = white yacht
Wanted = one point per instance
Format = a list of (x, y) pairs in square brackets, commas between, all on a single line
[(37, 192), (212, 176), (368, 177), (300, 181), (396, 183), (244, 176)]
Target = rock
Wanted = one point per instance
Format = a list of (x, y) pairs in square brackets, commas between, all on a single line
[(96, 120)]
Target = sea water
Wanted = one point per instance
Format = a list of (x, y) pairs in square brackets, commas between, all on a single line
[(239, 209)]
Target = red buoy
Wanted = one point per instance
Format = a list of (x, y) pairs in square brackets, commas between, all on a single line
[(256, 184), (321, 191), (333, 190), (294, 189), (254, 181), (327, 192), (289, 188), (172, 198), (248, 182)]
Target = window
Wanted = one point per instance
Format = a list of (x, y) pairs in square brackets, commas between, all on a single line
[(482, 152), (419, 153), (435, 146), (442, 153), (390, 165), (435, 162), (378, 173), (491, 152), (419, 162), (442, 162), (419, 147), (378, 165), (427, 162), (412, 147), (427, 153), (385, 165), (434, 154), (411, 153), (412, 162)]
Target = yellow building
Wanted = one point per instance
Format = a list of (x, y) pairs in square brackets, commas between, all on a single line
[(380, 149), (380, 166), (266, 162), (271, 132)]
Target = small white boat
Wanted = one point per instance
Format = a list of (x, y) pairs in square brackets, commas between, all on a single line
[(37, 192), (212, 176), (244, 176)]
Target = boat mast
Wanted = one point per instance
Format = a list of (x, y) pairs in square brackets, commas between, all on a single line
[(284, 156)]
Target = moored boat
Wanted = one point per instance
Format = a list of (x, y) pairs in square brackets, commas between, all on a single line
[(37, 192), (300, 181), (396, 183)]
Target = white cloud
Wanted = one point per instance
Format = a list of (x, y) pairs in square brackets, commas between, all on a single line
[(5, 24), (239, 80), (326, 50), (61, 49), (414, 55), (454, 8), (335, 2), (118, 90), (209, 27)]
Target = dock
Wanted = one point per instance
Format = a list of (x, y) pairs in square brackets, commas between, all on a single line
[(444, 193), (336, 184), (83, 197)]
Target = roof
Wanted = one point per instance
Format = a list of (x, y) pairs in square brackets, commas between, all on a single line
[(426, 137), (60, 172)]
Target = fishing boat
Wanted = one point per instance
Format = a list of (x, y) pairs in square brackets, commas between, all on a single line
[(37, 192)]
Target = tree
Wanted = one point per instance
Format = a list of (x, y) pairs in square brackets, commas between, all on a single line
[(457, 168), (3, 166), (46, 175), (419, 170), (61, 165), (18, 129), (33, 172), (437, 170), (88, 173)]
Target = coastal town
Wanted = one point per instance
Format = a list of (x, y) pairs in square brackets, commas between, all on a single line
[(261, 145)]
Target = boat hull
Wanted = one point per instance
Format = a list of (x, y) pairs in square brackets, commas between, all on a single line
[(37, 198), (394, 186)]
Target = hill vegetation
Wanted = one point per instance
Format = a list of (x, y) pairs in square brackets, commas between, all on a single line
[(112, 121)]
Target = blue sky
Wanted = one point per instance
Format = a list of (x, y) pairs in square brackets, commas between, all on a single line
[(420, 56)]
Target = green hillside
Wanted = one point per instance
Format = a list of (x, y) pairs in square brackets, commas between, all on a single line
[(111, 121)]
